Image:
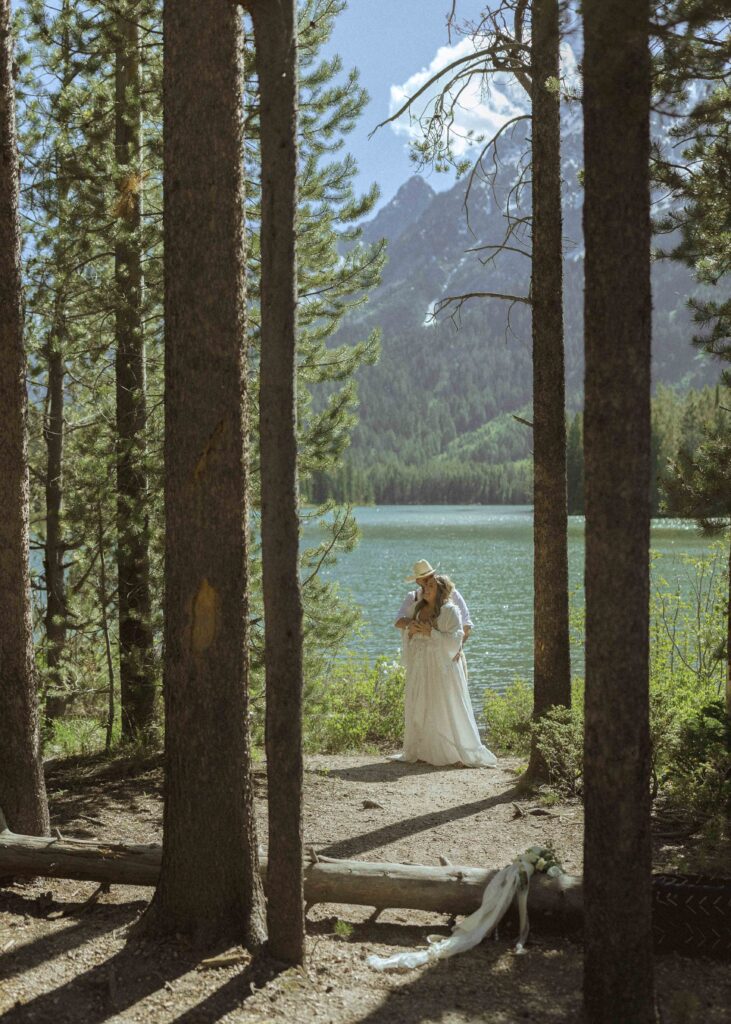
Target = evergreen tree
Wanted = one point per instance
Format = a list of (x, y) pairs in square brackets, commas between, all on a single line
[(692, 79), (51, 200), (696, 37), (136, 659), (73, 257), (71, 204), (275, 33), (22, 787), (330, 284), (209, 812), (551, 661)]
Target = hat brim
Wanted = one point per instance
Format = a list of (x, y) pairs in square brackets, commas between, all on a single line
[(424, 576)]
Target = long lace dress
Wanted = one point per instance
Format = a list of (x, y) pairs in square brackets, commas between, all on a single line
[(440, 725)]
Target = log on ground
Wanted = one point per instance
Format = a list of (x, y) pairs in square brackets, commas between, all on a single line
[(447, 889)]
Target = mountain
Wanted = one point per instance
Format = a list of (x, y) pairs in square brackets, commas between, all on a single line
[(400, 213), (443, 390)]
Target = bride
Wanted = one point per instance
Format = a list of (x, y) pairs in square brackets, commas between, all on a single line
[(440, 725)]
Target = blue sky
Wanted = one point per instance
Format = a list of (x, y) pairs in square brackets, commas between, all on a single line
[(397, 45), (389, 41)]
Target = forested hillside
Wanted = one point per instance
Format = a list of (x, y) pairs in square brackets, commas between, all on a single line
[(435, 419)]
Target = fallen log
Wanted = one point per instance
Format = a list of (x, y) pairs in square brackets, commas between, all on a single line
[(690, 914), (447, 889)]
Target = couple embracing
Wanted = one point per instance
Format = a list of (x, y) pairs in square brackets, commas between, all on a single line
[(440, 725)]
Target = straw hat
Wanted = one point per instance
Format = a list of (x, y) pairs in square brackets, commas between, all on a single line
[(421, 569)]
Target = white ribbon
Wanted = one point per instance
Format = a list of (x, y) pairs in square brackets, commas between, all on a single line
[(498, 895)]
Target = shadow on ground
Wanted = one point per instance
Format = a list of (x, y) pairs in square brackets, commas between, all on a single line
[(79, 930), (385, 771), (488, 983), (352, 847)]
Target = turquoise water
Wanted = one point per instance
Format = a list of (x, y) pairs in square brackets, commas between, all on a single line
[(488, 552)]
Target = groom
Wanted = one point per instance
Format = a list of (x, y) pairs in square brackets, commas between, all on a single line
[(421, 572)]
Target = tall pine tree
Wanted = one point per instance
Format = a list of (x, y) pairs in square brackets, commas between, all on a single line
[(22, 787), (618, 965)]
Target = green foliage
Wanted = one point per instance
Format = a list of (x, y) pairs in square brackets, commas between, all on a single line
[(689, 734), (681, 426), (355, 706), (343, 929), (74, 736), (492, 464), (560, 733), (692, 76), (74, 195), (509, 718), (560, 737), (698, 778)]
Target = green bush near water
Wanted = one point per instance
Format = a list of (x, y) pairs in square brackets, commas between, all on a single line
[(355, 706), (508, 716), (689, 733)]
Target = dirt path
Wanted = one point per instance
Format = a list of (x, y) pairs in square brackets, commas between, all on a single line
[(61, 963)]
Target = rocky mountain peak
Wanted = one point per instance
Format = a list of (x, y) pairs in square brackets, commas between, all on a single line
[(412, 198)]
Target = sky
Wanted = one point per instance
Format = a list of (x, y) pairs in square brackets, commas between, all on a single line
[(398, 45), (390, 41)]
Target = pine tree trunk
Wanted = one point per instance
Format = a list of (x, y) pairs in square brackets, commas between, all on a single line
[(56, 612), (22, 788), (618, 969), (551, 659), (54, 425), (728, 642), (136, 661), (275, 28), (208, 812)]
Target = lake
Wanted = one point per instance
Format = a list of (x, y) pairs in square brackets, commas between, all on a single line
[(488, 552)]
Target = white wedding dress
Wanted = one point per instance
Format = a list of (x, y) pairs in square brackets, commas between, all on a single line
[(440, 725)]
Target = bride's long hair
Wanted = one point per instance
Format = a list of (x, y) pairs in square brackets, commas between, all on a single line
[(444, 592)]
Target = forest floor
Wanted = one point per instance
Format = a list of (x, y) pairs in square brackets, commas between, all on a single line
[(63, 962)]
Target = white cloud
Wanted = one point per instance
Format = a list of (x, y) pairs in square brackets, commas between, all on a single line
[(480, 106)]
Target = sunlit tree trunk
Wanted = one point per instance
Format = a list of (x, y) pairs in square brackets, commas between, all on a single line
[(22, 788)]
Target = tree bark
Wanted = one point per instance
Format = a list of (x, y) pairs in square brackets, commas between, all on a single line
[(551, 658), (447, 890), (618, 971), (728, 642), (22, 788), (136, 659), (54, 423), (208, 812), (275, 29), (56, 610)]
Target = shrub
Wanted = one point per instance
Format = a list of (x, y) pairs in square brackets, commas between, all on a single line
[(508, 716), (698, 776), (689, 734), (356, 706), (560, 738), (72, 736)]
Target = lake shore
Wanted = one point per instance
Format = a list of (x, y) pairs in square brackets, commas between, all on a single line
[(487, 550)]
